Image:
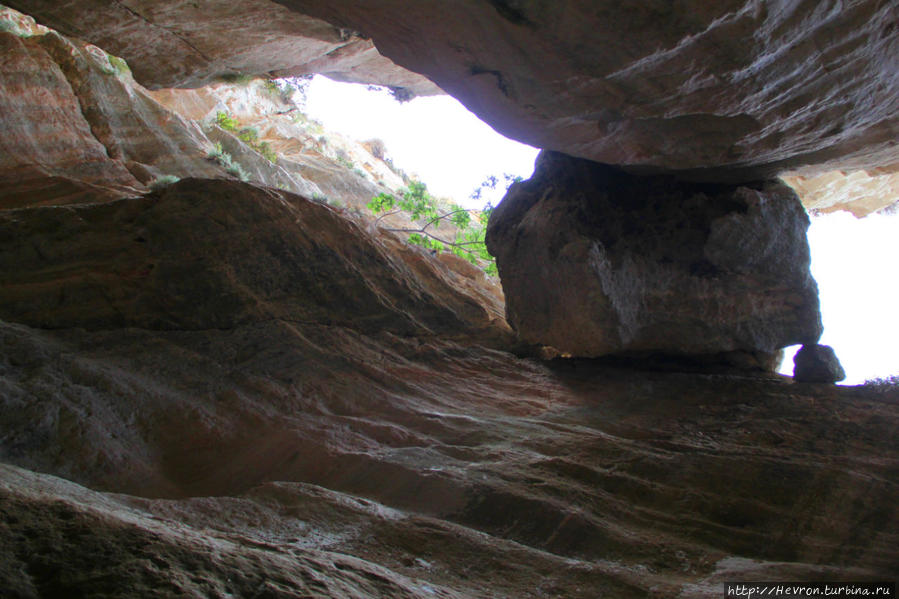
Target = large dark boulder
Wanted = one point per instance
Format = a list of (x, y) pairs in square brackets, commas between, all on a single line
[(817, 364), (596, 261)]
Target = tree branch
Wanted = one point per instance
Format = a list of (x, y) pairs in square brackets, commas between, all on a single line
[(447, 215), (386, 214), (457, 244)]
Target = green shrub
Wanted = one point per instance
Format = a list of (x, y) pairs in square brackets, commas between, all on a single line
[(217, 152), (267, 152), (381, 203), (238, 171), (230, 165), (249, 134), (271, 86), (225, 121), (341, 157)]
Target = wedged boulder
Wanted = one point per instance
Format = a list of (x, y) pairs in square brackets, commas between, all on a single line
[(817, 364), (596, 261)]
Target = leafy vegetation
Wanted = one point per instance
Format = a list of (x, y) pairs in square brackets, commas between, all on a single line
[(289, 90), (417, 203), (121, 67), (248, 135), (398, 93), (267, 152), (492, 181), (225, 121), (341, 157)]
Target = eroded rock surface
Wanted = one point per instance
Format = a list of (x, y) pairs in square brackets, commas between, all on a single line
[(817, 364), (50, 150), (191, 43), (594, 261), (304, 393), (79, 129), (858, 192), (745, 88), (206, 254), (264, 398)]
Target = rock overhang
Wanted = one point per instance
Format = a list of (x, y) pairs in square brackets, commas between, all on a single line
[(731, 91)]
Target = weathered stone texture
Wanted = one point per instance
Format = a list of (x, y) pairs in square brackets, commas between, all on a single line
[(858, 192), (206, 254), (78, 130), (745, 88), (594, 261), (48, 147), (817, 364), (188, 43)]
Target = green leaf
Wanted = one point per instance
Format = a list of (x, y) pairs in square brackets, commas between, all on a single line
[(381, 203)]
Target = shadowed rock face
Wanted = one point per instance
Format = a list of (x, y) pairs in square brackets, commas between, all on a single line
[(594, 261), (273, 341), (737, 90), (205, 254), (268, 400), (212, 339)]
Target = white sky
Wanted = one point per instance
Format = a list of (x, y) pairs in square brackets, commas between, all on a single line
[(434, 137), (852, 261), (452, 151)]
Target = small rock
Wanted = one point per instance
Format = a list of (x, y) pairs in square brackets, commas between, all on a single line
[(817, 364)]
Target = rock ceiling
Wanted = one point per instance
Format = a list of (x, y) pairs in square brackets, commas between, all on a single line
[(730, 90)]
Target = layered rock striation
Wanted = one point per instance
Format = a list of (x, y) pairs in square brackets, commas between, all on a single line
[(79, 129), (203, 254), (227, 389), (191, 44), (733, 90), (260, 394)]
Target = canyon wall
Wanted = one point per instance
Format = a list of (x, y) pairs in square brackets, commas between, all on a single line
[(215, 387), (260, 395)]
